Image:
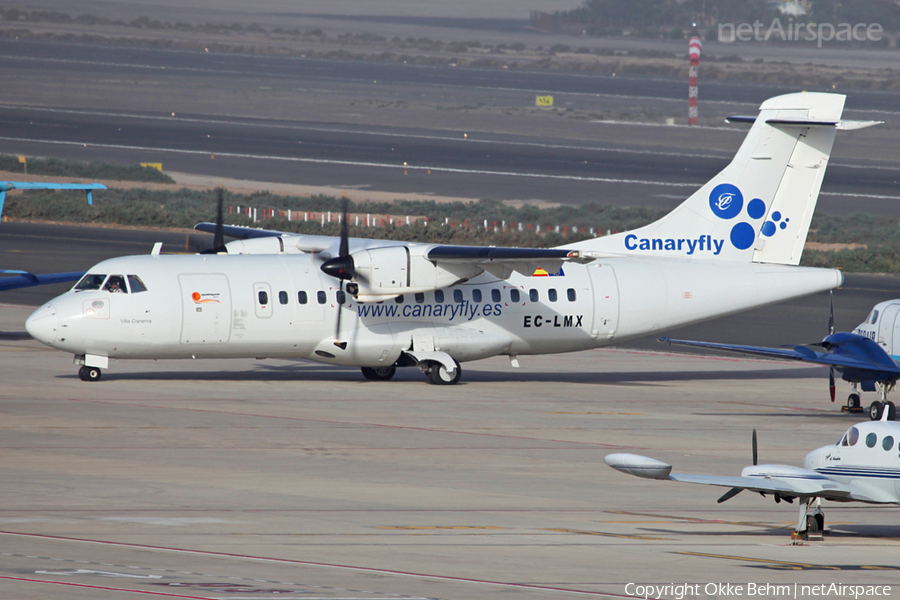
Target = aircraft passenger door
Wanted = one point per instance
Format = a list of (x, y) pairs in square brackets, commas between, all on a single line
[(206, 304), (606, 301), (886, 327)]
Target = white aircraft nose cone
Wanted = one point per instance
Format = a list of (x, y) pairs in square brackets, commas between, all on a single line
[(43, 324)]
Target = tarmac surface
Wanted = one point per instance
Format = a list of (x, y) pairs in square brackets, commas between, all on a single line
[(255, 479), (434, 131)]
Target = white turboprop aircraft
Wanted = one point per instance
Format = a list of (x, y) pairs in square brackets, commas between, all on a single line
[(731, 246), (861, 467)]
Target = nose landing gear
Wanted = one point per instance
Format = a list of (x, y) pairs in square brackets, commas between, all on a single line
[(89, 373)]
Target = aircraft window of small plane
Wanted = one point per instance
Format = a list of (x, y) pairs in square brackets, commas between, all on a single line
[(476, 295), (137, 286), (302, 298), (887, 443), (853, 436), (115, 285), (874, 317), (282, 297), (420, 298), (871, 440), (514, 295), (495, 295), (90, 282), (399, 299), (570, 294), (457, 296), (341, 297), (843, 441), (438, 296), (551, 294), (321, 298), (534, 296), (263, 297)]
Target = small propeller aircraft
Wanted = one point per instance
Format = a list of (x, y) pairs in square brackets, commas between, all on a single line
[(866, 358), (861, 467), (23, 279), (733, 245)]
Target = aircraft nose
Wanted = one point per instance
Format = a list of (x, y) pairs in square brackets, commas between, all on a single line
[(43, 324)]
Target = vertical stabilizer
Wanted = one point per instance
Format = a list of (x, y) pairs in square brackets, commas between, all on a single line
[(759, 207)]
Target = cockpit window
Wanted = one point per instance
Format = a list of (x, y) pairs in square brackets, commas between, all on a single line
[(853, 436), (116, 285), (91, 281), (137, 286), (874, 317)]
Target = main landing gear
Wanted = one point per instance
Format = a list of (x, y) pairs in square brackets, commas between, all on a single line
[(877, 408), (811, 525), (89, 373), (379, 373)]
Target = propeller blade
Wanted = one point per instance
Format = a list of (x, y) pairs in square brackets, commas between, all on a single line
[(345, 229), (831, 313), (337, 326), (729, 494), (219, 236), (831, 382), (753, 446)]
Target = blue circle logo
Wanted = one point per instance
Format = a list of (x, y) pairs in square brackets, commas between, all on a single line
[(726, 201), (742, 236)]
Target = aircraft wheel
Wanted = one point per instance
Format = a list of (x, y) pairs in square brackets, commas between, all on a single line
[(892, 411), (438, 374), (875, 410), (853, 401), (89, 373), (378, 373)]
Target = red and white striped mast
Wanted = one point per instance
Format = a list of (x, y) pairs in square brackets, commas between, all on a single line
[(694, 49)]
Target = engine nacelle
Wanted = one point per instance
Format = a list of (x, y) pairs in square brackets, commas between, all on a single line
[(387, 272)]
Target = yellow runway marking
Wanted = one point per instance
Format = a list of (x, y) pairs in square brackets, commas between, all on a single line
[(604, 534), (427, 527), (557, 412)]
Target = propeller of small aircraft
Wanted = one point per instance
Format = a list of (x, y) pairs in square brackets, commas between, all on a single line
[(735, 491), (831, 387)]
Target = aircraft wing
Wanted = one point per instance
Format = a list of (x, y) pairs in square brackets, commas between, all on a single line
[(771, 479), (241, 233), (856, 356), (23, 279)]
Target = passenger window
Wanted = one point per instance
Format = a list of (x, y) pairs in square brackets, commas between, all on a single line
[(137, 286), (457, 296), (321, 298), (534, 296), (551, 294), (302, 298), (570, 294), (853, 436), (263, 297), (514, 295), (495, 295), (341, 297), (420, 298), (887, 443), (399, 299), (871, 440), (115, 285), (476, 295), (90, 282), (283, 297), (438, 296), (874, 317)]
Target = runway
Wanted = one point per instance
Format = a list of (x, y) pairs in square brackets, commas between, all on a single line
[(434, 131)]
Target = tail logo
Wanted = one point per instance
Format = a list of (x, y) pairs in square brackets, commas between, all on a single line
[(726, 202)]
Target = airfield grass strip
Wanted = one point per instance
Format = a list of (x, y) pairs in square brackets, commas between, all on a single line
[(874, 240)]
